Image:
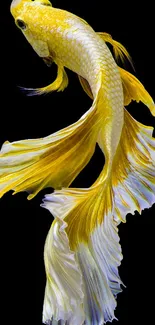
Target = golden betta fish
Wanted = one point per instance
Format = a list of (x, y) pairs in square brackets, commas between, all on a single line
[(82, 250)]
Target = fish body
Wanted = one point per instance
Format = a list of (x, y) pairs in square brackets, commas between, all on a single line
[(73, 44), (82, 250), (68, 38)]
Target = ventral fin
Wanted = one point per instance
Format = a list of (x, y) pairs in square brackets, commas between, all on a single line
[(85, 85)]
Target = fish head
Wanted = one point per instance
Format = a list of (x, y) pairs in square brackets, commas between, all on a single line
[(30, 18)]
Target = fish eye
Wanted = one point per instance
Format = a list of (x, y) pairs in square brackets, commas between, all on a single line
[(21, 24)]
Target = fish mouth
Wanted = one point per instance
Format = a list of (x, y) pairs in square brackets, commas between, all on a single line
[(48, 60)]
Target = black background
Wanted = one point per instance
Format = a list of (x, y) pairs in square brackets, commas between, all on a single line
[(24, 224)]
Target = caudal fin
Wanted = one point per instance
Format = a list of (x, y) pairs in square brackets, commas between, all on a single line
[(92, 215), (93, 238), (134, 165), (133, 171), (64, 295), (31, 165)]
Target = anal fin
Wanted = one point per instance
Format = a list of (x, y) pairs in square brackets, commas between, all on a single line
[(134, 90)]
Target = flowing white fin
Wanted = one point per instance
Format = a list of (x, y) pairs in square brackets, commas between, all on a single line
[(93, 236), (63, 293), (134, 165)]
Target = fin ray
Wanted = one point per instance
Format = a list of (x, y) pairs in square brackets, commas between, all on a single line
[(31, 165), (60, 83), (119, 50), (137, 174), (93, 236), (63, 293), (92, 216)]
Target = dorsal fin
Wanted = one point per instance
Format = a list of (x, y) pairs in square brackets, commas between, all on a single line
[(119, 50)]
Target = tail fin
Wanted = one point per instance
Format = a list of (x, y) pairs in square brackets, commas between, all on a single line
[(31, 165), (64, 294), (134, 177), (92, 215), (93, 237)]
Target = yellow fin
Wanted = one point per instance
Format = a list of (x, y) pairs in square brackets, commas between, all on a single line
[(134, 90), (133, 169), (31, 165), (60, 83), (119, 50), (92, 215), (85, 85), (133, 178)]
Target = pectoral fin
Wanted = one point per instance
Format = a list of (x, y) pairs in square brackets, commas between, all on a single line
[(85, 85), (48, 61), (59, 84)]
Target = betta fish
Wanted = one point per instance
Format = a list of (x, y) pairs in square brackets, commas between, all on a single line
[(82, 250)]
